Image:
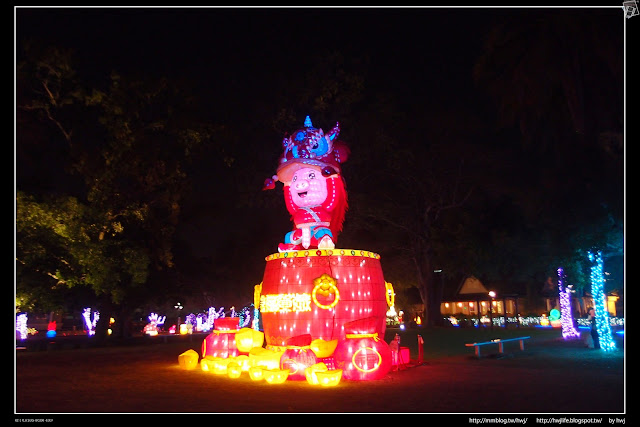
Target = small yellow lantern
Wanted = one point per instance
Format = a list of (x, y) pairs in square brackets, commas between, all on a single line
[(256, 373), (248, 338), (243, 361), (265, 358), (275, 376), (234, 370), (329, 378), (206, 363), (219, 365), (311, 372), (323, 348), (188, 360)]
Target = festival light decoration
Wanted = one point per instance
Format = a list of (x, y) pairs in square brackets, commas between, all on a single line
[(21, 325), (331, 288), (298, 356), (51, 329), (390, 294), (266, 358), (89, 321), (317, 303), (311, 288), (310, 372), (219, 365), (155, 321), (244, 362), (234, 370), (206, 363), (222, 341), (275, 376), (188, 360), (603, 325), (329, 378), (322, 348), (363, 355), (256, 373), (566, 316), (248, 338)]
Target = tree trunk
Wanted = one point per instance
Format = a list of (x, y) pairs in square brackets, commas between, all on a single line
[(106, 311), (430, 291)]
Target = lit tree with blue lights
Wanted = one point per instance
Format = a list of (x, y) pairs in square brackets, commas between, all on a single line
[(603, 325)]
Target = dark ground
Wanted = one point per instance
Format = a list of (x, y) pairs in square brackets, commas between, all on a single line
[(552, 376)]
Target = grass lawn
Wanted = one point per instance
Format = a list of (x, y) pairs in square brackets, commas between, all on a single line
[(143, 376), (450, 341)]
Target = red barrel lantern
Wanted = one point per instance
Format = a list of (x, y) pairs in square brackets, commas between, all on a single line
[(363, 354), (317, 291)]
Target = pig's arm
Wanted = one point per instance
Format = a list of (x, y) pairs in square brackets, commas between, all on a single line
[(332, 194)]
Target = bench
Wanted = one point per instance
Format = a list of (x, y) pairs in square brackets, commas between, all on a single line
[(498, 341)]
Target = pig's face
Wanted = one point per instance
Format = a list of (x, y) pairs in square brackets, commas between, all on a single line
[(308, 187)]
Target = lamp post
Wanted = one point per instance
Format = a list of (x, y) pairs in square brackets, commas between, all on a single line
[(178, 308), (492, 294)]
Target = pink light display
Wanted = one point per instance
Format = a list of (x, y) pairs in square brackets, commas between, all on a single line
[(316, 292), (222, 341), (363, 354), (312, 288), (566, 317), (323, 308)]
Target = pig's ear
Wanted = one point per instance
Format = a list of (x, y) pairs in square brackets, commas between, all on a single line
[(328, 171), (269, 183)]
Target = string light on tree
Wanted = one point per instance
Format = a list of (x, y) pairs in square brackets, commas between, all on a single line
[(599, 300), (21, 325), (566, 318), (90, 323)]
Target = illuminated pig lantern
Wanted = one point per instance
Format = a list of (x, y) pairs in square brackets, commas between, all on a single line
[(310, 287), (314, 191)]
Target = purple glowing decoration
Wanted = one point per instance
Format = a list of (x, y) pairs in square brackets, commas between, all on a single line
[(566, 317)]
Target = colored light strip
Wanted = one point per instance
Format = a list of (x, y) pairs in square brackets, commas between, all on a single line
[(322, 252), (566, 318), (599, 299)]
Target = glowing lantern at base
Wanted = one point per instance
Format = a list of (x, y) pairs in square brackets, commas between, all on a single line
[(275, 376), (311, 371), (243, 361), (324, 351), (206, 363), (298, 356), (256, 373), (188, 359), (222, 341), (248, 338), (544, 320), (323, 348), (265, 358), (219, 365), (363, 355), (329, 378), (234, 370)]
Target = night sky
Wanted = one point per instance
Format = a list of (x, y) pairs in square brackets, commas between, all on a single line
[(424, 56), (421, 53)]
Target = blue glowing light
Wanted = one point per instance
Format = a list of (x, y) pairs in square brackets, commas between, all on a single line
[(599, 300)]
